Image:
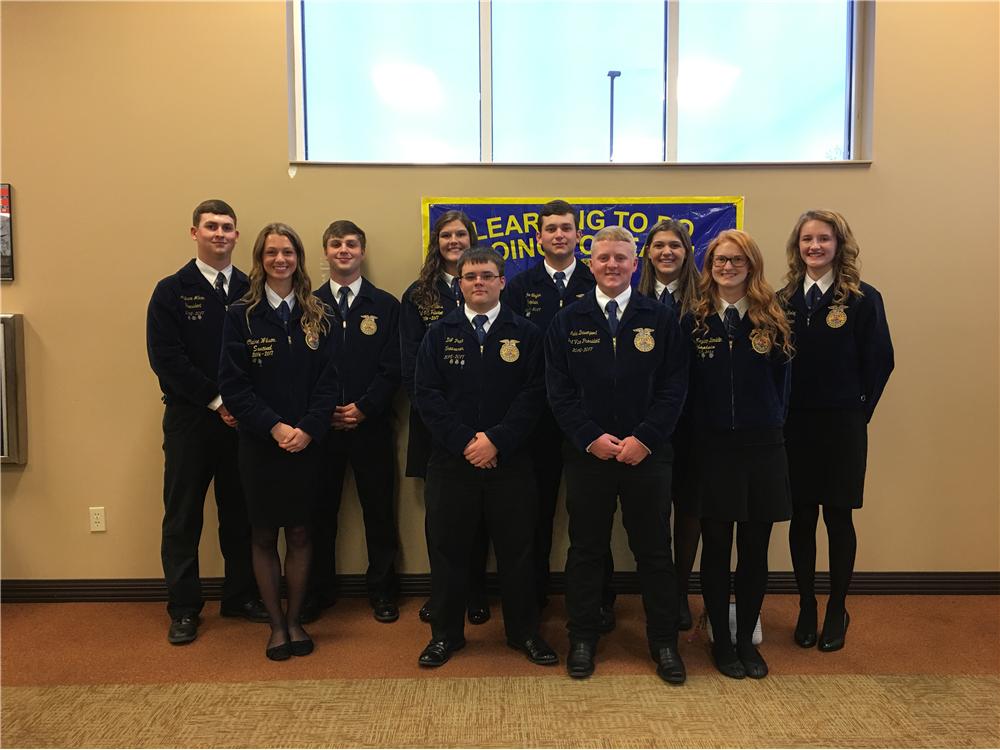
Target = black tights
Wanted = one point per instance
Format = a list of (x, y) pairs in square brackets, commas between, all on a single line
[(843, 544), (752, 538), (687, 532), (267, 570)]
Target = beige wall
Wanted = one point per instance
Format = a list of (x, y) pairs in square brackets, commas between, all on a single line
[(119, 117)]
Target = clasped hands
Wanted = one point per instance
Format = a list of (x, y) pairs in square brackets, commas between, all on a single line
[(627, 451), (480, 452), (291, 439)]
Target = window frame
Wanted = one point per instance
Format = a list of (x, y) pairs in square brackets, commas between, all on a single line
[(857, 116)]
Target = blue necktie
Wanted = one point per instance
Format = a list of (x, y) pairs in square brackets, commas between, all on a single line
[(612, 309), (560, 279), (813, 296), (456, 290), (732, 321), (667, 298), (343, 303), (220, 286), (284, 313), (479, 321)]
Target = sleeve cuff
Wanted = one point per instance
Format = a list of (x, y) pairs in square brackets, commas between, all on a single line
[(215, 403)]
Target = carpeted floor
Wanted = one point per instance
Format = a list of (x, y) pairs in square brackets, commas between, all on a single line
[(917, 671)]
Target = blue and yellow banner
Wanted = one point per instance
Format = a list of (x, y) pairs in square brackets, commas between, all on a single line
[(510, 225)]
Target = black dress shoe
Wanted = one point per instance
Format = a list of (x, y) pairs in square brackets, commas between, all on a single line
[(537, 650), (425, 611), (183, 629), (580, 662), (438, 652), (385, 610), (479, 613), (727, 662), (805, 628), (669, 666), (253, 610), (608, 620), (684, 621), (753, 663), (834, 636), (282, 652)]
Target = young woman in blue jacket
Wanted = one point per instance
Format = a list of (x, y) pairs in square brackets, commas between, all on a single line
[(278, 378), (737, 400), (842, 363)]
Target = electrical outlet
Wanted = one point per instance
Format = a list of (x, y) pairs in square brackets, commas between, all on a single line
[(97, 520)]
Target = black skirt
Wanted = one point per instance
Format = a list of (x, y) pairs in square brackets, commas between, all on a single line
[(281, 488), (827, 456), (743, 476)]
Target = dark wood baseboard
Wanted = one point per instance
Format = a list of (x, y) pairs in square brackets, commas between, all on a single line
[(155, 590)]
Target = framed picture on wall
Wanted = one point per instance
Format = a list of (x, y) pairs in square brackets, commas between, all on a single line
[(6, 235)]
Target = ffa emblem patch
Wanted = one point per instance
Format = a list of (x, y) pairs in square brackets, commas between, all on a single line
[(644, 340), (836, 317), (508, 350), (761, 341)]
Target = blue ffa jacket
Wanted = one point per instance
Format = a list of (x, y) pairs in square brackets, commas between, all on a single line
[(368, 353), (184, 334), (634, 384), (533, 294), (462, 388), (735, 387), (413, 324), (268, 374), (843, 353)]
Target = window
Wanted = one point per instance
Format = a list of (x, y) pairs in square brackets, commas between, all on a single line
[(551, 81)]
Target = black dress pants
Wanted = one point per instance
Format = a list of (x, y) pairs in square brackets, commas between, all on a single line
[(197, 448), (458, 496), (371, 452), (546, 447), (593, 488)]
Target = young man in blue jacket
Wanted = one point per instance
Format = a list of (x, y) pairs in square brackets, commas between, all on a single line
[(367, 321), (183, 340), (479, 388), (616, 373)]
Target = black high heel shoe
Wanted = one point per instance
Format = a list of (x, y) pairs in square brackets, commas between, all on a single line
[(805, 628), (833, 639)]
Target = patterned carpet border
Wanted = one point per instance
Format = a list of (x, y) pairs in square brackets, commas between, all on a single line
[(549, 711)]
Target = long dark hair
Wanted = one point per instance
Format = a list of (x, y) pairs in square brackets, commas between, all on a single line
[(687, 286), (425, 294)]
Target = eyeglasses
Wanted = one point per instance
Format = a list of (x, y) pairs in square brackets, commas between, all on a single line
[(486, 276), (738, 261)]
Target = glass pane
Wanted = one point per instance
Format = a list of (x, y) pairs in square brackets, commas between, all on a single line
[(762, 81), (551, 89), (392, 81)]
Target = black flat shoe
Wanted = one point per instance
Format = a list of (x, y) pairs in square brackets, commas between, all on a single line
[(753, 663), (805, 628), (727, 662), (537, 651), (580, 662), (438, 652), (279, 653), (302, 647), (833, 637), (684, 621)]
